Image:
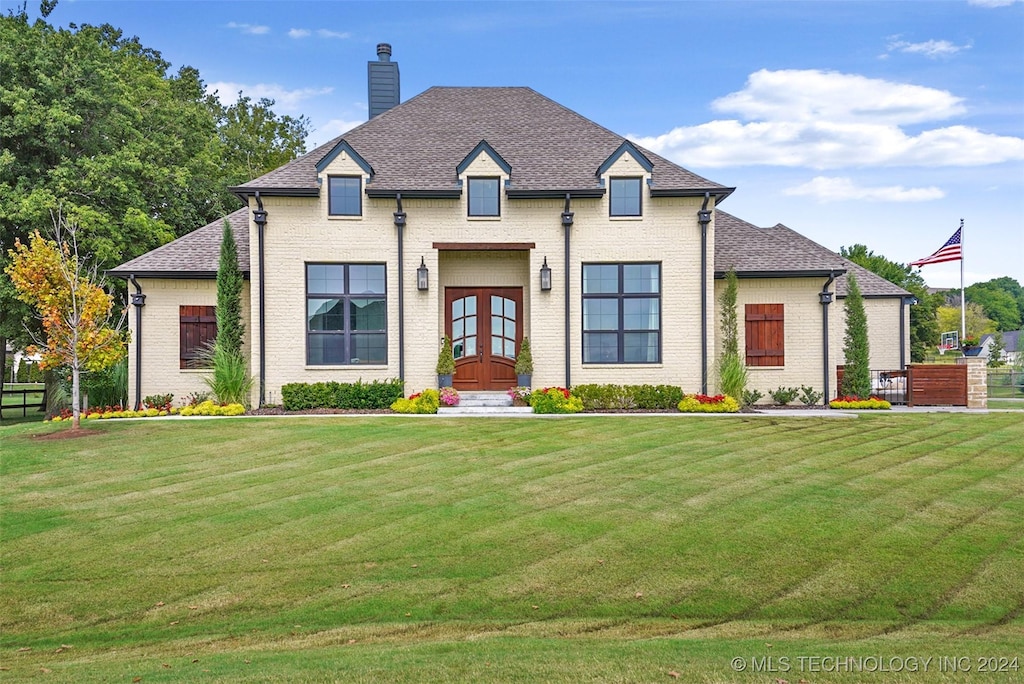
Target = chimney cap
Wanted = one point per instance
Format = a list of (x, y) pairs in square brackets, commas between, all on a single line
[(384, 52)]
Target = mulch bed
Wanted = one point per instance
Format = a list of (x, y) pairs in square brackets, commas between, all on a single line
[(69, 433)]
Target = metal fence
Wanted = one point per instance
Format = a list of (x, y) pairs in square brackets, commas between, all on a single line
[(1005, 383)]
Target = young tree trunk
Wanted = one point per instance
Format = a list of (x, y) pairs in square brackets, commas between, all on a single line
[(76, 409)]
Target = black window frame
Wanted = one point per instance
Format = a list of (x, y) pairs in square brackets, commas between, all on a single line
[(620, 296), (469, 196), (330, 194), (347, 333), (612, 182)]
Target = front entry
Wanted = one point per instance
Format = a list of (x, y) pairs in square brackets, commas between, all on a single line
[(486, 327)]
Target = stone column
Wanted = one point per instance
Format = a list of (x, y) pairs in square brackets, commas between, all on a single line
[(977, 381)]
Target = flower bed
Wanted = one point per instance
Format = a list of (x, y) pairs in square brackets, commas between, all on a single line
[(555, 400), (873, 403), (702, 403), (113, 412), (209, 408), (449, 396), (426, 401), (520, 395)]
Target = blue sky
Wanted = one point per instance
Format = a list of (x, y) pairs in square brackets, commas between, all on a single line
[(882, 123)]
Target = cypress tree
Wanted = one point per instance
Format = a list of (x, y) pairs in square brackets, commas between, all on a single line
[(732, 369), (229, 296), (857, 369)]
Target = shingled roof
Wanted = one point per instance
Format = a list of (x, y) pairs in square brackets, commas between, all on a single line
[(417, 146), (780, 251), (195, 255)]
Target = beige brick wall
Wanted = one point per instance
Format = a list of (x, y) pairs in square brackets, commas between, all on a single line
[(161, 373), (883, 317)]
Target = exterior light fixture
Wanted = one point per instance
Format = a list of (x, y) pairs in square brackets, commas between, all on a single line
[(825, 297), (545, 276), (422, 276)]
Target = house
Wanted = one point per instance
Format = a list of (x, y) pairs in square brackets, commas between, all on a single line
[(1011, 346), (489, 215)]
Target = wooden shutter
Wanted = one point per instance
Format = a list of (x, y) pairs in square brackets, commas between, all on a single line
[(765, 333), (197, 326)]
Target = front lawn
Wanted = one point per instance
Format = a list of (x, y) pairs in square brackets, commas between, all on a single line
[(618, 548)]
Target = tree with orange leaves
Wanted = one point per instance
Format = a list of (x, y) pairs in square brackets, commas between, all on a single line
[(52, 277)]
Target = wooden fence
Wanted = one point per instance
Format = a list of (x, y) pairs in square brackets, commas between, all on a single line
[(919, 384)]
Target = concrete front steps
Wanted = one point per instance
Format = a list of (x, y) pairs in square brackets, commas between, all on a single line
[(484, 404)]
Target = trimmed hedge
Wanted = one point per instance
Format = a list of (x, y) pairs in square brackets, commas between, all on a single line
[(555, 400), (602, 397), (302, 396)]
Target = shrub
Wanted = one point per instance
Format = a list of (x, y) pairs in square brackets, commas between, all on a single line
[(230, 381), (426, 401), (732, 375), (209, 408), (197, 398), (808, 396), (850, 402), (158, 401), (524, 361), (379, 394), (445, 358), (617, 397), (784, 395), (702, 403), (856, 368), (751, 397), (520, 395), (555, 400)]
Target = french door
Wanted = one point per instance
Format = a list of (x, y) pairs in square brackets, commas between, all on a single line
[(486, 327)]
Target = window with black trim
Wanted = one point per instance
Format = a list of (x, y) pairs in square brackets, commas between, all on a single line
[(624, 196), (197, 331), (765, 334), (346, 314), (483, 197), (621, 313), (345, 196)]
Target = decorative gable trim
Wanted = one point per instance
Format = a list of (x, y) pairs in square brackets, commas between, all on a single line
[(483, 147), (343, 146), (625, 148)]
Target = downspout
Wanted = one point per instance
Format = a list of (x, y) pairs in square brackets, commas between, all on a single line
[(567, 217), (259, 216), (825, 296), (138, 301), (400, 225), (704, 218)]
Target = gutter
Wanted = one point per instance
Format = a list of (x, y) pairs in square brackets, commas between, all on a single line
[(400, 225), (259, 217), (704, 218), (825, 297), (138, 301), (567, 220)]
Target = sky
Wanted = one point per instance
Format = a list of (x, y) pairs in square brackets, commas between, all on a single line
[(879, 123)]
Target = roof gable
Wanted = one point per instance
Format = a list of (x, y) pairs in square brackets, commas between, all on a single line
[(625, 148), (340, 147), (483, 147)]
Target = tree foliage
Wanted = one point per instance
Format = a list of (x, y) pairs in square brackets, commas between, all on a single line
[(230, 328), (732, 370), (977, 323), (856, 368), (1002, 300), (924, 328), (51, 277)]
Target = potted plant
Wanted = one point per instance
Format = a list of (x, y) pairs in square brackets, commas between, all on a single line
[(524, 364), (445, 364), (970, 346)]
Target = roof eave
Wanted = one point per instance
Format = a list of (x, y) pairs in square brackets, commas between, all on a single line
[(719, 193), (382, 193), (179, 275), (247, 190), (586, 193), (790, 273)]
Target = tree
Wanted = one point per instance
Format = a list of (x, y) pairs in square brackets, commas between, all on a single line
[(732, 370), (996, 350), (254, 140), (230, 328), (1000, 301), (856, 368), (924, 328), (51, 276), (977, 323)]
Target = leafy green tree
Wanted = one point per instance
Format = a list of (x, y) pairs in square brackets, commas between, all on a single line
[(996, 351), (1000, 300), (732, 370), (924, 328), (254, 140), (856, 368), (977, 323), (230, 328)]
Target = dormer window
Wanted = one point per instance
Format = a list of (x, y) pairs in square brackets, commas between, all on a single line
[(483, 197), (624, 196), (345, 197)]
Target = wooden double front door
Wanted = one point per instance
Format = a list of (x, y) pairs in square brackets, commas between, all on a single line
[(486, 327)]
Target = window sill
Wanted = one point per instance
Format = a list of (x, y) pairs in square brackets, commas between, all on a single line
[(351, 366), (616, 364), (483, 218), (626, 218), (344, 217)]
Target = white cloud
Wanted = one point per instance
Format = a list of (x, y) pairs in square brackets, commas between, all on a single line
[(252, 29), (826, 189), (812, 95), (332, 129), (288, 100), (826, 120), (326, 33), (932, 49), (992, 3), (298, 33)]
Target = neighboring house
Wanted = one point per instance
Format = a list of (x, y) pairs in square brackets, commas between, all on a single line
[(1011, 346), (491, 214)]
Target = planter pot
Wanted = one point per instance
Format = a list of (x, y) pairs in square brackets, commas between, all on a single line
[(971, 351), (524, 380), (444, 381)]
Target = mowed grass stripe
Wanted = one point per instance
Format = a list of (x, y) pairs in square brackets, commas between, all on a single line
[(711, 520)]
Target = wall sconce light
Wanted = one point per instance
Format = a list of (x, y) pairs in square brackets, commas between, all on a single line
[(422, 276), (545, 276)]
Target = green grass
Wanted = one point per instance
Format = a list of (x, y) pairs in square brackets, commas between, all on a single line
[(590, 548)]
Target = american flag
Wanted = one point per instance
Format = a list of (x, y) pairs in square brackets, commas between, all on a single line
[(948, 252)]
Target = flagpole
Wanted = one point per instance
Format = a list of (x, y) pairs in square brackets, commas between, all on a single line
[(963, 306)]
